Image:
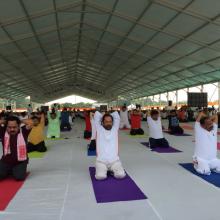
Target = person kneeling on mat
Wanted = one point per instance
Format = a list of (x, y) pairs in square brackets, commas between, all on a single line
[(107, 127), (136, 123), (124, 122), (65, 124), (53, 130), (92, 145), (15, 159), (174, 127), (205, 156), (155, 130), (36, 136)]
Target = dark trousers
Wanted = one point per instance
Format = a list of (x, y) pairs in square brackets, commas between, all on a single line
[(65, 125), (18, 171), (38, 147), (162, 142), (138, 131), (176, 130), (92, 145), (87, 134)]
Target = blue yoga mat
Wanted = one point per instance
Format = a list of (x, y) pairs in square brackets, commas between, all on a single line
[(91, 152), (214, 178)]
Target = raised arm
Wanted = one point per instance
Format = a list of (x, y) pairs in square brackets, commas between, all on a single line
[(42, 119), (116, 119), (97, 119), (201, 114), (214, 118)]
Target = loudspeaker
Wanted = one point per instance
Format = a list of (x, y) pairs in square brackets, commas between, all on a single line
[(8, 108), (170, 103), (44, 108), (103, 108), (197, 99), (138, 106)]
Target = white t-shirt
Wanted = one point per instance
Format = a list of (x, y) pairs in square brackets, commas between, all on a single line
[(23, 118), (155, 128), (124, 116), (93, 128), (205, 142), (107, 141)]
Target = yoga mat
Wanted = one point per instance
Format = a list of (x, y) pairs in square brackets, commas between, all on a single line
[(162, 149), (55, 139), (113, 190), (8, 189), (36, 154), (184, 134), (138, 136), (214, 178), (91, 152)]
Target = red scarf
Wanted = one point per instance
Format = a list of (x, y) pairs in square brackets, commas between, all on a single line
[(21, 146)]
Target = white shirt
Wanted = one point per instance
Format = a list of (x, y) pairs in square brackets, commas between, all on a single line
[(124, 116), (107, 141), (23, 118), (155, 128), (93, 128), (205, 142)]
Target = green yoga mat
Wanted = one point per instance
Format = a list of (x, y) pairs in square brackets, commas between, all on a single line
[(36, 154), (55, 139), (138, 136)]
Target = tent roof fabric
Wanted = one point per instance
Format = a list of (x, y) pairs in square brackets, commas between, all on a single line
[(105, 49)]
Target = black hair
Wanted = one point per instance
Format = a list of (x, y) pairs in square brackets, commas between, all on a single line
[(203, 119), (154, 112), (173, 111), (35, 117), (106, 115), (13, 118)]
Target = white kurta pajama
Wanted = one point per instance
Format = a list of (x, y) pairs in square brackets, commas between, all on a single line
[(107, 148), (124, 122), (205, 156)]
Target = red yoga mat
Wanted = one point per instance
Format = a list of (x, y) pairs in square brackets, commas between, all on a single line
[(8, 189)]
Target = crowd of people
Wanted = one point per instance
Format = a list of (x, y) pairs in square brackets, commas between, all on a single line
[(22, 133)]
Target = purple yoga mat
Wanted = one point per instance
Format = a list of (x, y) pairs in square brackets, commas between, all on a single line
[(114, 190), (162, 149)]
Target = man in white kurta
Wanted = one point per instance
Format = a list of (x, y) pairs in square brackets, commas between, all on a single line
[(107, 127), (205, 157), (156, 138), (124, 123)]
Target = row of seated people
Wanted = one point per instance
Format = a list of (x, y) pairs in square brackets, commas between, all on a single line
[(15, 141), (204, 159), (154, 124)]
